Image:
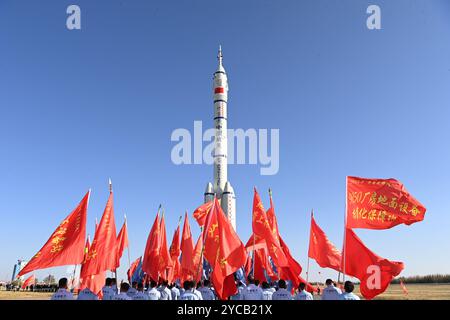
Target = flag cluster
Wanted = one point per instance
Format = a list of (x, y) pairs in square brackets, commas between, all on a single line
[(371, 204)]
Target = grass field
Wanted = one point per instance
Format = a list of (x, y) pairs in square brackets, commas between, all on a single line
[(417, 292), (394, 292)]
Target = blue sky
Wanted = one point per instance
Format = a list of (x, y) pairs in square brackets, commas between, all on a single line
[(78, 107)]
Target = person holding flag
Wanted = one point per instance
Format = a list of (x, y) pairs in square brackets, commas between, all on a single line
[(302, 294), (348, 292), (63, 293), (331, 292), (87, 294)]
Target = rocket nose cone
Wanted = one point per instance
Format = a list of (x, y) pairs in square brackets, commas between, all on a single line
[(209, 188), (228, 187)]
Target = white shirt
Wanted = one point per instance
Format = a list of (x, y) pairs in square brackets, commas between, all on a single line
[(239, 296), (115, 289), (198, 294), (189, 295), (282, 294), (207, 293), (122, 296), (175, 293), (62, 294), (166, 294), (132, 292), (87, 294), (331, 293), (108, 293), (154, 294), (252, 292), (140, 296), (349, 296), (267, 294), (303, 295)]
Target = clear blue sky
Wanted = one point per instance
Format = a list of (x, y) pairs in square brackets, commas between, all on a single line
[(77, 107)]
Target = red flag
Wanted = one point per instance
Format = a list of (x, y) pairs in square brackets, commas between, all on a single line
[(374, 272), (164, 259), (65, 245), (248, 266), (29, 281), (87, 247), (198, 261), (230, 256), (102, 255), (187, 250), (322, 250), (293, 270), (133, 268), (93, 282), (211, 237), (175, 251), (150, 264), (122, 242), (262, 263), (380, 204), (262, 229), (201, 213)]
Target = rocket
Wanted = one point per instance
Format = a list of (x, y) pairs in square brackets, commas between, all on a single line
[(221, 187)]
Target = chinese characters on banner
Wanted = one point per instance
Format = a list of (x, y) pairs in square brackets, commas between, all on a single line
[(380, 204)]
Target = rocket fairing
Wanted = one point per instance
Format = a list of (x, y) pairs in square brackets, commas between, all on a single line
[(221, 187)]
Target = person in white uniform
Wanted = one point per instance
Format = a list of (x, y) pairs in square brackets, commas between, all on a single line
[(302, 294), (348, 294), (107, 290), (87, 294), (252, 292), (124, 287), (267, 292), (114, 285), (153, 293), (140, 295), (133, 290), (175, 292), (166, 294), (188, 293), (282, 293), (62, 293), (206, 291), (330, 292)]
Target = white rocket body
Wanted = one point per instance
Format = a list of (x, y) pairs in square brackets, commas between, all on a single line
[(221, 186)]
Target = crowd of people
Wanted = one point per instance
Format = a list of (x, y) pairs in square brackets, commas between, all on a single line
[(253, 290)]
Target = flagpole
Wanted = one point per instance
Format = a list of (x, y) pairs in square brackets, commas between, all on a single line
[(110, 191), (73, 277), (253, 258), (75, 267), (201, 254), (128, 247), (307, 268), (345, 229)]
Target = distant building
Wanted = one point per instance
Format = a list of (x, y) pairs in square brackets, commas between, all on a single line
[(17, 267)]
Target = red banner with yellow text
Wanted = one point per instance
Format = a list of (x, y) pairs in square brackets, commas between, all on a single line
[(380, 204)]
